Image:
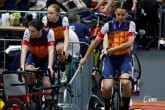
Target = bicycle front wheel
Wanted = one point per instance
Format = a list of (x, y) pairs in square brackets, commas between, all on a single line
[(117, 101), (14, 104), (137, 67)]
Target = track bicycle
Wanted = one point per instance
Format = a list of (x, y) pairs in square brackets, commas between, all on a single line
[(16, 103), (56, 85), (136, 72), (116, 101), (53, 105), (31, 99)]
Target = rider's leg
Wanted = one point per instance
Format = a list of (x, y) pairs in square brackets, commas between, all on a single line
[(108, 71), (62, 61), (30, 65), (46, 83), (61, 57), (125, 69), (30, 78), (79, 3), (126, 91), (107, 91)]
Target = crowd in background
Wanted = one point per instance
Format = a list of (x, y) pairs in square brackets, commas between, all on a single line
[(143, 12)]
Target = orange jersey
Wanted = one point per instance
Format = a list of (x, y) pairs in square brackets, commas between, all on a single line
[(118, 35), (59, 27), (39, 47)]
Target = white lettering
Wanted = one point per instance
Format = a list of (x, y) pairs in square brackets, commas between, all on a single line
[(149, 99)]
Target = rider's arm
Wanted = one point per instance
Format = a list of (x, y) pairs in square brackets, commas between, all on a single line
[(105, 43), (24, 51), (65, 24), (134, 4), (129, 43), (51, 43), (124, 46), (108, 5), (92, 47), (24, 48), (97, 40), (100, 3), (95, 43)]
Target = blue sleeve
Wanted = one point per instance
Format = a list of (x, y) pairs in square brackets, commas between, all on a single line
[(87, 31)]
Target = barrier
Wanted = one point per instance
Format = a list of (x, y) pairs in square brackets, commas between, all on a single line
[(4, 48), (82, 88)]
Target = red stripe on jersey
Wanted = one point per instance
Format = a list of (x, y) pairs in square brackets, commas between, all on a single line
[(46, 27), (101, 35), (66, 28), (25, 42), (51, 43), (131, 34)]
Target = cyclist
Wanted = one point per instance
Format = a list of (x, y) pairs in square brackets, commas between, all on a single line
[(40, 43), (117, 54), (60, 25)]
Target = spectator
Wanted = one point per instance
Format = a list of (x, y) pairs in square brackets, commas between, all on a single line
[(106, 6), (67, 4), (147, 13), (2, 2), (81, 30), (15, 5)]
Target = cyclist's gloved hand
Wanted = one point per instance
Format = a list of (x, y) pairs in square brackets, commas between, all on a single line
[(82, 62), (66, 54), (93, 9), (102, 56), (50, 72), (20, 69)]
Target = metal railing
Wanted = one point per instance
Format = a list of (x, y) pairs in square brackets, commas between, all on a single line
[(4, 48), (82, 88), (161, 23), (39, 13)]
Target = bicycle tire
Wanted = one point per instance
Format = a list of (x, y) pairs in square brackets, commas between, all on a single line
[(38, 103), (117, 101), (96, 79), (137, 67), (116, 98), (14, 104)]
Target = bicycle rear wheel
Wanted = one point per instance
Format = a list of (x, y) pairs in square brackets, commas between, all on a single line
[(14, 104), (137, 67)]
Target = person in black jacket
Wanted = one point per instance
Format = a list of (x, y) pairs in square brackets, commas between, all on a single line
[(147, 13)]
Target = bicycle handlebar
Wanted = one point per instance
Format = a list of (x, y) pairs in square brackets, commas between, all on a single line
[(26, 72), (100, 14), (67, 86)]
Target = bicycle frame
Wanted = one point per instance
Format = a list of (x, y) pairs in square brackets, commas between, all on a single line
[(56, 85), (27, 97), (116, 101)]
